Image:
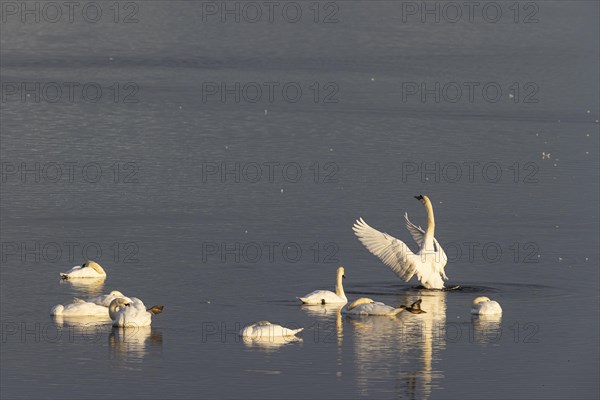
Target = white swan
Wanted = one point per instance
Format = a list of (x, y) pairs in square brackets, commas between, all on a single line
[(132, 312), (266, 330), (79, 308), (484, 306), (366, 306), (428, 263), (105, 299), (327, 296), (90, 269)]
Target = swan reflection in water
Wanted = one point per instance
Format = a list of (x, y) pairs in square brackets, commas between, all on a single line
[(87, 328), (402, 349), (270, 343), (134, 343), (327, 315), (486, 328), (89, 287)]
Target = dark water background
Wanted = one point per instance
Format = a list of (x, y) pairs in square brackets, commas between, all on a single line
[(160, 185)]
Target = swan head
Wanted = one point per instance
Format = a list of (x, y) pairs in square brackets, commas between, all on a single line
[(423, 199), (480, 299), (116, 293), (340, 272), (357, 302), (119, 302)]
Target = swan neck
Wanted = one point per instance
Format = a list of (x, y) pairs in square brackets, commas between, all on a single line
[(339, 287), (429, 233), (112, 310), (96, 267)]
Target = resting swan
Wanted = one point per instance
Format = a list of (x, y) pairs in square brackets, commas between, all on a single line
[(265, 329), (90, 269), (428, 263), (327, 296), (79, 308), (105, 299), (366, 306), (484, 306), (132, 312)]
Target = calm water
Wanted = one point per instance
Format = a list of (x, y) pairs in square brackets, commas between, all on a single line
[(159, 181)]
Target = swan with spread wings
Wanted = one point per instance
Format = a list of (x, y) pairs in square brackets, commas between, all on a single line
[(428, 263)]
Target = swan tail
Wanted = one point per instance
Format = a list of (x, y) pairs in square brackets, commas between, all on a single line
[(296, 331), (64, 276), (303, 299), (157, 309), (57, 309)]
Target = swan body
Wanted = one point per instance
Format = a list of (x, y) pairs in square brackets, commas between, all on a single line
[(90, 269), (132, 312), (366, 306), (427, 263), (265, 329), (327, 296), (484, 306), (105, 299), (79, 308)]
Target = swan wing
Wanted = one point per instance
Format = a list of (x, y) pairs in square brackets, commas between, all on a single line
[(393, 252), (417, 233)]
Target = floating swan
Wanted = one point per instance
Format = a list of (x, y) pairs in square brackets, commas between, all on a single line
[(90, 269), (484, 306), (132, 312), (105, 299), (79, 308), (327, 296), (428, 263), (366, 306), (266, 330)]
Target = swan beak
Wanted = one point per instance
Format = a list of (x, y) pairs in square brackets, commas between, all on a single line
[(344, 276), (420, 198)]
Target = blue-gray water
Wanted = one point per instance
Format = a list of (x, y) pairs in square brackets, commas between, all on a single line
[(160, 185)]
